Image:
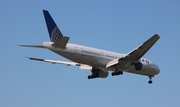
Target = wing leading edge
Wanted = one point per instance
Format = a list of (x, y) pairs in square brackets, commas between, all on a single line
[(135, 54)]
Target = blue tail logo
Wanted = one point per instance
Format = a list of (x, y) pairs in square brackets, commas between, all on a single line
[(56, 35), (54, 32)]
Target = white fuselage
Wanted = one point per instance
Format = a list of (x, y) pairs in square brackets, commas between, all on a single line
[(99, 58)]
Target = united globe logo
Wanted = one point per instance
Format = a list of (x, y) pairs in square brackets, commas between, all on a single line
[(56, 35)]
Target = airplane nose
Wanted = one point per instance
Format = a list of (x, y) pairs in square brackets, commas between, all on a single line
[(157, 69)]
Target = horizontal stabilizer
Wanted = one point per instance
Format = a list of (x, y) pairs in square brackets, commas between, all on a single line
[(33, 46), (61, 43)]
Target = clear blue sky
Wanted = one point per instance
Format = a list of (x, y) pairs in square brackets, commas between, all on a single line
[(116, 25)]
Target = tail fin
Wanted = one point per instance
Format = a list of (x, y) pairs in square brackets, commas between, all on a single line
[(54, 32)]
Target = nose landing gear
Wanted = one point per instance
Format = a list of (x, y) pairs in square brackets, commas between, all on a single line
[(150, 80)]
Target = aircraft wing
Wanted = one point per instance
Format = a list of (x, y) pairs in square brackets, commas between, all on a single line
[(67, 63), (135, 54)]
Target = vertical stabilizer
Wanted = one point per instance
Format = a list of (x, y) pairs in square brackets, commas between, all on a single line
[(54, 32)]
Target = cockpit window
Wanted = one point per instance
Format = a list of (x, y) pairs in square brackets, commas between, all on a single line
[(147, 61), (142, 60)]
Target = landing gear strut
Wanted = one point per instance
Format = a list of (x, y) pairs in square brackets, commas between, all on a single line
[(150, 80), (95, 73), (117, 73)]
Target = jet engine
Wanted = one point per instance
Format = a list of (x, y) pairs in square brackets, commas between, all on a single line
[(103, 73), (138, 65)]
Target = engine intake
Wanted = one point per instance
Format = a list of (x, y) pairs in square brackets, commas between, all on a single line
[(138, 65)]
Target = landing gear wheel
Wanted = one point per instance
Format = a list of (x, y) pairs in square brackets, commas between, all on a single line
[(112, 73), (117, 73), (120, 72), (89, 77), (93, 76), (150, 81)]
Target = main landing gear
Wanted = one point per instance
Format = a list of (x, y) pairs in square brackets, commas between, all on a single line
[(93, 76), (117, 73), (95, 73), (150, 80)]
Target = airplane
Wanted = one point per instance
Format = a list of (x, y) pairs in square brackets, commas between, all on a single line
[(98, 61)]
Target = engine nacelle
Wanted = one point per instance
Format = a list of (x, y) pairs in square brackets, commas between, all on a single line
[(138, 65), (103, 73)]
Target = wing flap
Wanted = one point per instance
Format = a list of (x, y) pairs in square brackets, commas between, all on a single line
[(55, 61), (67, 63), (87, 67), (111, 63)]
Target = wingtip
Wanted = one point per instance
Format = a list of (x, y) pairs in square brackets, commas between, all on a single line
[(45, 11), (157, 35), (22, 45), (32, 58), (28, 57)]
